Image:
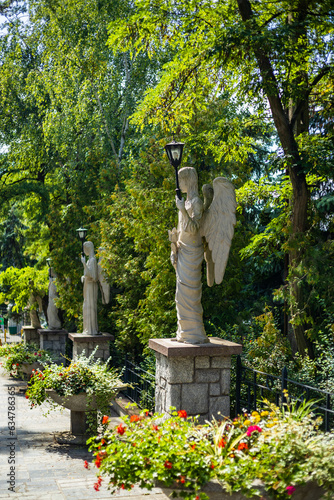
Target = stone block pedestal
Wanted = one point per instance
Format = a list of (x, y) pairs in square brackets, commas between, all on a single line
[(30, 335), (53, 340), (88, 343), (195, 378)]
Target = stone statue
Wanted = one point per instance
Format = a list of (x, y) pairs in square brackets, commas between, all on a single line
[(34, 303), (90, 290), (54, 322), (204, 230), (92, 278), (104, 285)]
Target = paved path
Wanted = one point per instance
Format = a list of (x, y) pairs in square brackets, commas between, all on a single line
[(41, 468)]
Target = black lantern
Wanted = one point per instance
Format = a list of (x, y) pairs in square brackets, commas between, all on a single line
[(49, 260), (82, 236), (174, 152)]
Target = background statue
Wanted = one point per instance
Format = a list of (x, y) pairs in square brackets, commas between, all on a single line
[(34, 304), (54, 322), (204, 230), (90, 290), (104, 285), (92, 278)]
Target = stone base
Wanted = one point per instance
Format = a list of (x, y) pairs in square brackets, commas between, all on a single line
[(195, 378), (68, 438), (30, 335), (53, 340), (88, 343)]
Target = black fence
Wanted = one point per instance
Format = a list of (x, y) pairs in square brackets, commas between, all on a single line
[(252, 386), (142, 390)]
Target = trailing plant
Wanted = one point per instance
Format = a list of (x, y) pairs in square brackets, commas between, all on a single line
[(177, 452), (17, 354), (85, 375)]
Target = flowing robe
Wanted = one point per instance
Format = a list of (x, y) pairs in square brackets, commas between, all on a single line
[(190, 251), (90, 291)]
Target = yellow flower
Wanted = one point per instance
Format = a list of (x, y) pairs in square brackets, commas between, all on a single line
[(247, 422), (264, 413), (254, 413)]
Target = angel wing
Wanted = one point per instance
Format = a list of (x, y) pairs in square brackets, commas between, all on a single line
[(217, 228), (104, 285)]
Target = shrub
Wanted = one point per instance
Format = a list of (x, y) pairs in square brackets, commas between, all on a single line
[(17, 354), (145, 450)]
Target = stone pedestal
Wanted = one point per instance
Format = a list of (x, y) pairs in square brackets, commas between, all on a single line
[(53, 340), (30, 335), (195, 378), (88, 343)]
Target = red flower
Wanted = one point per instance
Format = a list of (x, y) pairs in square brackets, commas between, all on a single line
[(193, 446), (242, 446), (123, 486), (98, 461), (27, 397), (252, 429), (212, 466), (121, 429), (222, 443), (182, 479), (85, 464), (17, 364), (182, 413), (105, 419), (134, 418), (290, 490), (168, 464), (155, 427)]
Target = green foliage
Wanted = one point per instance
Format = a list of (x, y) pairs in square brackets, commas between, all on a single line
[(17, 354), (19, 284), (175, 452), (85, 375)]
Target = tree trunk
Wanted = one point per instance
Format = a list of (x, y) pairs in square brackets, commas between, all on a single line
[(288, 126)]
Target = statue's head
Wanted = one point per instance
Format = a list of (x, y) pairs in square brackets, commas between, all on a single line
[(88, 248), (188, 179)]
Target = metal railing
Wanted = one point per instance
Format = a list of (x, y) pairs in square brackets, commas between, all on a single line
[(142, 390), (252, 386)]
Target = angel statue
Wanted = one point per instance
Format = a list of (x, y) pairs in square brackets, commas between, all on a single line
[(204, 230), (93, 275), (52, 312)]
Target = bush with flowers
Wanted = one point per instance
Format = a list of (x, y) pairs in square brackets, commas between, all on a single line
[(16, 354), (283, 448), (85, 375)]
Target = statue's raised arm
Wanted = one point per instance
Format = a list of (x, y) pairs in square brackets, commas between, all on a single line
[(217, 229)]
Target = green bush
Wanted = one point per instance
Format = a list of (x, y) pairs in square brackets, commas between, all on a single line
[(175, 451)]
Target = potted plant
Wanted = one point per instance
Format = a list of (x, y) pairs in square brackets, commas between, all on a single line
[(86, 387), (21, 358), (274, 453)]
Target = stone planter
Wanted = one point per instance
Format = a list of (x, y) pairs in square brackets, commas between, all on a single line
[(27, 368), (308, 491), (80, 409)]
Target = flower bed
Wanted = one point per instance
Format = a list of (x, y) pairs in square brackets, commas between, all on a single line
[(92, 379), (278, 449), (18, 357)]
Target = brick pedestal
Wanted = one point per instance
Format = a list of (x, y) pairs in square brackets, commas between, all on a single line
[(53, 340), (88, 343), (195, 378), (30, 335)]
